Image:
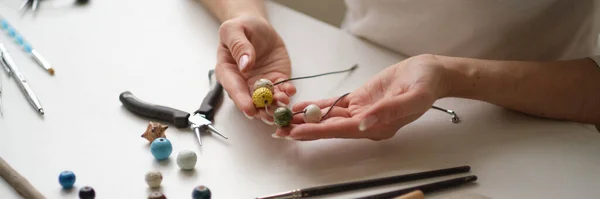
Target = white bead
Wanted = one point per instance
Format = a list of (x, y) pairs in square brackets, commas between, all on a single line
[(153, 179), (186, 159), (263, 83), (312, 114)]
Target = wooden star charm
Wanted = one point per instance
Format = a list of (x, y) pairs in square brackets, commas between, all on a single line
[(155, 130)]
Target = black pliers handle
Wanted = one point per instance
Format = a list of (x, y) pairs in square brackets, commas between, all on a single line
[(200, 121)]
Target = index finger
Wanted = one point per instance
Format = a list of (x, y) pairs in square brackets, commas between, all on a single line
[(235, 85), (336, 127)]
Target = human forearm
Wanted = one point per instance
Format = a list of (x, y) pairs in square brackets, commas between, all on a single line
[(568, 90), (228, 9)]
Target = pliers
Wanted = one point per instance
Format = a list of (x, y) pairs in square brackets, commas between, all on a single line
[(199, 121), (30, 3)]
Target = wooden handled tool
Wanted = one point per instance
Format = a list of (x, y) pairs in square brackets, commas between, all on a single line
[(18, 182), (412, 195)]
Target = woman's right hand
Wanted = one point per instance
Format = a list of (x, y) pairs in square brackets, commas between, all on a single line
[(250, 50)]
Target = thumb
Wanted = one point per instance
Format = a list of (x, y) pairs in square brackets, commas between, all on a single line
[(392, 109), (233, 36)]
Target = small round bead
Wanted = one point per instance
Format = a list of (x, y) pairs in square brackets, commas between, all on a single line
[(263, 83), (201, 192), (312, 114), (153, 179), (186, 159), (161, 148), (262, 97), (81, 2), (87, 192), (283, 116), (157, 195), (66, 179)]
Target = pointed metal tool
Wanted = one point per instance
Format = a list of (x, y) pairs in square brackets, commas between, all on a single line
[(200, 121)]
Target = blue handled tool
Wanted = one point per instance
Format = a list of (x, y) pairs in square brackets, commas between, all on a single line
[(18, 38)]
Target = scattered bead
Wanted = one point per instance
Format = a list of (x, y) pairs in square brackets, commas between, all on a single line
[(66, 179), (87, 192), (264, 83), (201, 192), (312, 114), (283, 116), (81, 2), (161, 148), (157, 195), (155, 130), (153, 179), (186, 159), (262, 97)]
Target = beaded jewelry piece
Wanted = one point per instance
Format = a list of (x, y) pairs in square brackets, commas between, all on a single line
[(263, 98)]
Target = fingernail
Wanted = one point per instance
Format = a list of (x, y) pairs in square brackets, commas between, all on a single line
[(290, 138), (367, 123), (274, 135), (281, 104), (248, 116), (243, 62), (267, 121)]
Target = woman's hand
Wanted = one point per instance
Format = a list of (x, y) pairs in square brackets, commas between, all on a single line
[(395, 97), (249, 50)]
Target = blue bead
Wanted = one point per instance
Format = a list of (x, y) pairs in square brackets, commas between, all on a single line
[(66, 179), (4, 24), (161, 148), (201, 192), (27, 47), (19, 39), (12, 32)]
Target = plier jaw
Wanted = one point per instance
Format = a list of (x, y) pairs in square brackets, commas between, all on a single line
[(200, 121), (30, 3), (199, 124)]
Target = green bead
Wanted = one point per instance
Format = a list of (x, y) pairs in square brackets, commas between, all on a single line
[(283, 116)]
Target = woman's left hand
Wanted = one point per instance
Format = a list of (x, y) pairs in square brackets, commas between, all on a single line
[(395, 97)]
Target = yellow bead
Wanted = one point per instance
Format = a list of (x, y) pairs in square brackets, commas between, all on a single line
[(262, 97), (263, 83)]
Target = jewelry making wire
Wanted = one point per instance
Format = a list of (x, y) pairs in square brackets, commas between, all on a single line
[(455, 118), (331, 107), (306, 77), (318, 75)]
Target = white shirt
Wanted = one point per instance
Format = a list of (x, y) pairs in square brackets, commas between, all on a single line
[(487, 29)]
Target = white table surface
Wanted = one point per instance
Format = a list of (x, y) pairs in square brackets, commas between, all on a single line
[(161, 51)]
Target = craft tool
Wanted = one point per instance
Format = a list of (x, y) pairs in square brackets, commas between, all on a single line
[(418, 194), (18, 182), (426, 188), (26, 46), (30, 3), (1, 111), (13, 71), (199, 121), (355, 185)]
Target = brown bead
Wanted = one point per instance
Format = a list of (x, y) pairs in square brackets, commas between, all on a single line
[(157, 195), (155, 130)]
